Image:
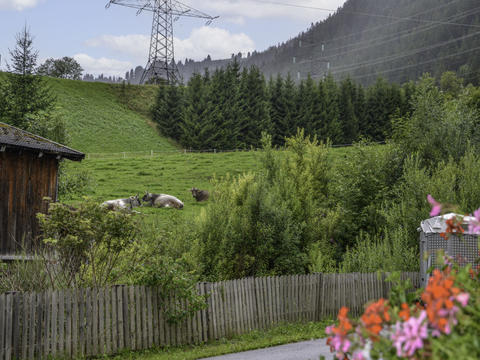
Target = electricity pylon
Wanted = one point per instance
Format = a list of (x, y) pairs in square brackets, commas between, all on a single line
[(161, 64)]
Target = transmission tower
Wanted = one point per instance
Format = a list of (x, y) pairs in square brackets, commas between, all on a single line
[(161, 64)]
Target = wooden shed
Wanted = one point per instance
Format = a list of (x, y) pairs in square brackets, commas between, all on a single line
[(28, 174)]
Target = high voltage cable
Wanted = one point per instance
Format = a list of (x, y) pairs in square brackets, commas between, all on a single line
[(367, 14), (332, 40), (407, 33), (399, 35), (410, 66), (391, 58)]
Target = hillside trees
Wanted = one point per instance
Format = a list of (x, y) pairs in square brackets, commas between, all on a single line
[(25, 99), (229, 109)]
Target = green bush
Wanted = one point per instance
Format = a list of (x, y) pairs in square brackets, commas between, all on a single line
[(73, 185), (83, 245), (265, 223)]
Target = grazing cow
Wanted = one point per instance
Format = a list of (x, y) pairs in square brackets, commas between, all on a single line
[(200, 195), (162, 200), (120, 204)]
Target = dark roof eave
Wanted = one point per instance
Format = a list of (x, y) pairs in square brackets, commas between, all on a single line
[(72, 157)]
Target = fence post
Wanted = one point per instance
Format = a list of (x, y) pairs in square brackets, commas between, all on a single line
[(124, 155), (151, 154)]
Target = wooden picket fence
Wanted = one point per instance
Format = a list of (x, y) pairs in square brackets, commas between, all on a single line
[(91, 322)]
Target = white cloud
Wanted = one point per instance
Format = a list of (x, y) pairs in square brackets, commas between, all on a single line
[(257, 9), (97, 66), (133, 45), (216, 42), (18, 5)]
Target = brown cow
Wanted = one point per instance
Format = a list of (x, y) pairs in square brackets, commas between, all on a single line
[(200, 195)]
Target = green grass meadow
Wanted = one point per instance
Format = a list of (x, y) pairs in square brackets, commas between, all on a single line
[(170, 173), (282, 334), (98, 121)]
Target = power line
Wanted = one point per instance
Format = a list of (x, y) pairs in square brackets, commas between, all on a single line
[(392, 37), (332, 40), (367, 14), (390, 58), (413, 65), (407, 32)]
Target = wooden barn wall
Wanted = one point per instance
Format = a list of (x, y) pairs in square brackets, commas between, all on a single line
[(25, 179)]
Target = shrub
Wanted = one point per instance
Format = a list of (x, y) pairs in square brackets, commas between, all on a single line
[(265, 223), (83, 245)]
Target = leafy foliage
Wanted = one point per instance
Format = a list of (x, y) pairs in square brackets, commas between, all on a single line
[(265, 223), (83, 245), (64, 68), (26, 101)]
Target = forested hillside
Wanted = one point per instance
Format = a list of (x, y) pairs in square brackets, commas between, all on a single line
[(230, 109), (396, 39)]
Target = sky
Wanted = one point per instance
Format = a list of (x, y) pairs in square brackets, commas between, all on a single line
[(111, 41)]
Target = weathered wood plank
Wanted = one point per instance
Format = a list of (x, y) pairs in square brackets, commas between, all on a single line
[(120, 332), (82, 322), (68, 324), (8, 326), (138, 319), (108, 321), (228, 308), (16, 323), (161, 318), (101, 321), (39, 324), (61, 323), (32, 327), (204, 292), (131, 311), (89, 317), (145, 333), (149, 316), (114, 320), (54, 324), (259, 301), (25, 328)]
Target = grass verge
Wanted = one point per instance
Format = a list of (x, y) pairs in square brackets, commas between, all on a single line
[(282, 334)]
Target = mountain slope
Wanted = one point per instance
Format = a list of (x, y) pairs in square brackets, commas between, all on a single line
[(364, 39), (100, 121)]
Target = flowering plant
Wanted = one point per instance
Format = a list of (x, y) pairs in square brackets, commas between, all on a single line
[(443, 323)]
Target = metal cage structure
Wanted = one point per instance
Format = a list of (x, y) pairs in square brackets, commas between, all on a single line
[(464, 249)]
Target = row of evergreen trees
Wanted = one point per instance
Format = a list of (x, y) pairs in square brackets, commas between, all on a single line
[(231, 108)]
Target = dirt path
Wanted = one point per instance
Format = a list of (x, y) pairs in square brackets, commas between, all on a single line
[(306, 350)]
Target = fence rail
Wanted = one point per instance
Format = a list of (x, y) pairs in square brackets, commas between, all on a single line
[(91, 322), (156, 153)]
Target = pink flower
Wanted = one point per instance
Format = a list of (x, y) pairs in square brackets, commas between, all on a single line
[(474, 225), (358, 356), (436, 206), (463, 298), (410, 334)]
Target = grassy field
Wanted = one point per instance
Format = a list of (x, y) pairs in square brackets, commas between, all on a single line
[(99, 121), (105, 118), (280, 335), (171, 173)]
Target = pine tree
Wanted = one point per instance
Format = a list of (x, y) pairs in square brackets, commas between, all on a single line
[(333, 128), (347, 117), (278, 111), (254, 117), (168, 110), (27, 99), (306, 99), (197, 130)]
